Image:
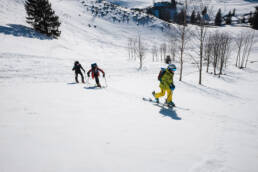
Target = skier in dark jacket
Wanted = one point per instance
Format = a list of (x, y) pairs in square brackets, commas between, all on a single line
[(95, 73), (77, 69)]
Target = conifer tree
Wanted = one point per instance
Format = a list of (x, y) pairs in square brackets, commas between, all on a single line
[(193, 17), (181, 18), (243, 19), (204, 11), (234, 12), (255, 19), (250, 19), (173, 3), (218, 19), (229, 18), (41, 16), (198, 18)]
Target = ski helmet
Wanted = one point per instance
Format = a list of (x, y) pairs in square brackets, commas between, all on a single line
[(172, 67), (94, 65)]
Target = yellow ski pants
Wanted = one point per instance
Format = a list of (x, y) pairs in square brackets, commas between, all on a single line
[(162, 93)]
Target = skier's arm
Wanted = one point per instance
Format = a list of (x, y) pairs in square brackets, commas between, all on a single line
[(172, 86), (159, 76), (102, 72), (73, 68), (82, 68), (88, 73)]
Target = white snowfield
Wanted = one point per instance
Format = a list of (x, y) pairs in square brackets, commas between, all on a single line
[(49, 124)]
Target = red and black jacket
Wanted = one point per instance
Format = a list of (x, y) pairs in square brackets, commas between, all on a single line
[(95, 72)]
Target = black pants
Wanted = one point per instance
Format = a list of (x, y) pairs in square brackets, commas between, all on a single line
[(76, 76), (97, 81)]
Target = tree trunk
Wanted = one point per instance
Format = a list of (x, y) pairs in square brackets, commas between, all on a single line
[(201, 57), (181, 57)]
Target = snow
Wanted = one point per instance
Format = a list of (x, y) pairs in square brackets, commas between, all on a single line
[(47, 123)]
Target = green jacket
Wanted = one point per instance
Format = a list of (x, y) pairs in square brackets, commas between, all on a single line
[(166, 80)]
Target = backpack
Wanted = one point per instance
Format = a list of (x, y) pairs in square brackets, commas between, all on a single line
[(161, 73)]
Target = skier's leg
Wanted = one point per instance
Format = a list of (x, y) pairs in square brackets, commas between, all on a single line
[(169, 98), (160, 94), (169, 95), (76, 77), (97, 81), (82, 77)]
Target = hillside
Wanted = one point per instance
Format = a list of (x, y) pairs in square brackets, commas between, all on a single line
[(48, 123)]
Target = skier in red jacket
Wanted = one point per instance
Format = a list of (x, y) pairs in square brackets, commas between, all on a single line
[(95, 73)]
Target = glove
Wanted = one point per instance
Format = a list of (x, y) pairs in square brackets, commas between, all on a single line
[(172, 87), (88, 75), (103, 75)]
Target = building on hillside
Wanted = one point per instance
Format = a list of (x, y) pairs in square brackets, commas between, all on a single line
[(163, 10)]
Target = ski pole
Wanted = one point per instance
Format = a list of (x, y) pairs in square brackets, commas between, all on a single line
[(106, 82), (87, 81)]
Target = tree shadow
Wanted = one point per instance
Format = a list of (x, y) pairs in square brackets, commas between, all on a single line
[(252, 1), (23, 31), (217, 93), (167, 112)]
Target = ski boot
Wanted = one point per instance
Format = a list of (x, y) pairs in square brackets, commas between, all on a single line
[(98, 85), (171, 104), (156, 99)]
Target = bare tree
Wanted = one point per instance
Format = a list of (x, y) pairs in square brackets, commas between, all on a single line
[(154, 52), (163, 51), (220, 44), (172, 48), (134, 49), (182, 32), (201, 33), (208, 51), (215, 37), (244, 45), (130, 48), (140, 50), (225, 43)]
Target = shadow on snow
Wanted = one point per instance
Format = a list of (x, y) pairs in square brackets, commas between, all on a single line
[(72, 83), (168, 113), (252, 1), (20, 30), (211, 91), (90, 87)]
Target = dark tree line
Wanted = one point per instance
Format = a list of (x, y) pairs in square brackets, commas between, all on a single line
[(254, 19), (42, 17), (197, 18)]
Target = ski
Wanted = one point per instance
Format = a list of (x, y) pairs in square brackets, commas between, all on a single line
[(158, 103), (163, 104)]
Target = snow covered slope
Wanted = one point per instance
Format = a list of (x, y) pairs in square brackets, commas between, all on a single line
[(47, 123)]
